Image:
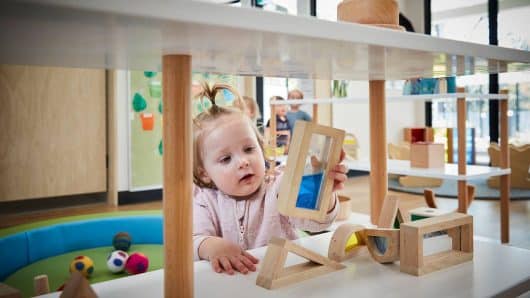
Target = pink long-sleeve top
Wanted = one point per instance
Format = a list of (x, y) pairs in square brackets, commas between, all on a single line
[(249, 223)]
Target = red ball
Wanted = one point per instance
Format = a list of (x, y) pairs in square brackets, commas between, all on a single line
[(137, 263)]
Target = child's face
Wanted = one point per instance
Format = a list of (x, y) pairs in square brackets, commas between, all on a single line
[(281, 110), (232, 157)]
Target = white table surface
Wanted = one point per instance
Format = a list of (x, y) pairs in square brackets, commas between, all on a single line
[(134, 34), (496, 269)]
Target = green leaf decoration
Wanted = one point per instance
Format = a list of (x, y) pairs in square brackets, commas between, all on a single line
[(161, 148), (139, 103), (150, 74), (160, 107)]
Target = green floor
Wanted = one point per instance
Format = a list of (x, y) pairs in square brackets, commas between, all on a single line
[(57, 267)]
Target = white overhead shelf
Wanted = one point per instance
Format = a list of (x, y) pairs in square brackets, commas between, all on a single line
[(134, 34), (450, 171), (402, 167), (363, 99)]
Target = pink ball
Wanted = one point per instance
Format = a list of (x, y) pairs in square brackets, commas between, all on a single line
[(137, 263)]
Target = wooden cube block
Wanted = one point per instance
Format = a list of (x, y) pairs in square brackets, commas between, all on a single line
[(427, 155)]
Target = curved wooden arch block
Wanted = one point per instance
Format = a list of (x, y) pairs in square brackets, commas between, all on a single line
[(391, 249), (338, 250)]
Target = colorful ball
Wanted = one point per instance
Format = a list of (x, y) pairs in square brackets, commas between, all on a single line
[(84, 265), (137, 263), (116, 261), (122, 241)]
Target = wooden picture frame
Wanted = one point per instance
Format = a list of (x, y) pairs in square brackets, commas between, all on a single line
[(458, 226), (288, 198)]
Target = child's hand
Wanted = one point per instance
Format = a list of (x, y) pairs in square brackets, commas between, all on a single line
[(338, 172), (226, 256)]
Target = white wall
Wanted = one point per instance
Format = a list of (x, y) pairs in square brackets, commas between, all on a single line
[(354, 118)]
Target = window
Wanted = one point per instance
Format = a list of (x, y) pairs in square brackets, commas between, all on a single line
[(513, 33)]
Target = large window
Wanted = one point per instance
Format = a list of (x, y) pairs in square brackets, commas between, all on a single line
[(513, 33), (465, 21)]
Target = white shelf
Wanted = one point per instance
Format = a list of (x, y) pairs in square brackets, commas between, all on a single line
[(134, 34), (450, 171), (364, 99), (402, 167)]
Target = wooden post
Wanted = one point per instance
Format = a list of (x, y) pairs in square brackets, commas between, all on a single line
[(177, 196), (505, 164), (112, 139), (41, 285), (378, 149), (315, 113), (272, 128), (461, 128)]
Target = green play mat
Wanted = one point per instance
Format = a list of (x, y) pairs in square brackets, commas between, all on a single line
[(57, 267)]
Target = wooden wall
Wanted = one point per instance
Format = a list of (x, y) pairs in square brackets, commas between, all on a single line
[(52, 132)]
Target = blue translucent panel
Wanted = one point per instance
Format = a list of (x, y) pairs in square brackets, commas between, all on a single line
[(309, 191)]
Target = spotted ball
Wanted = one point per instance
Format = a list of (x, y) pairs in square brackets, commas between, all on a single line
[(116, 261), (137, 263), (83, 265), (122, 241)]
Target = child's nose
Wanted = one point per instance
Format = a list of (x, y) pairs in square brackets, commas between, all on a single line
[(243, 162)]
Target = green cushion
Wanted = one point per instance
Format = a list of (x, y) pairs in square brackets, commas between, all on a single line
[(57, 267)]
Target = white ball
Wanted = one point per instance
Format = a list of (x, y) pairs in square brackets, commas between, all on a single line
[(116, 261)]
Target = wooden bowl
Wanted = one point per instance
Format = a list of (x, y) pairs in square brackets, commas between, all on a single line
[(369, 11)]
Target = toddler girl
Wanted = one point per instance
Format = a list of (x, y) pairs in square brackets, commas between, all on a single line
[(234, 208)]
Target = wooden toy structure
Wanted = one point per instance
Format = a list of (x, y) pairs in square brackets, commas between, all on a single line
[(402, 152), (77, 286), (273, 275), (426, 155), (9, 292), (346, 242), (519, 164), (41, 285), (458, 226), (299, 172)]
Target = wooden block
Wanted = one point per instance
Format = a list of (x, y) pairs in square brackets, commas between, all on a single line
[(427, 155), (426, 212), (41, 285), (342, 246), (273, 275), (388, 213), (9, 292), (77, 286), (296, 165), (345, 207), (430, 198), (383, 244), (458, 226)]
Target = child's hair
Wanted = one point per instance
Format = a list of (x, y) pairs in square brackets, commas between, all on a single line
[(276, 97), (295, 92), (252, 106), (210, 115)]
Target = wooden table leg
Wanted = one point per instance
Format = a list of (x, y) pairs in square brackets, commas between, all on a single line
[(378, 149), (177, 196), (461, 129), (505, 164)]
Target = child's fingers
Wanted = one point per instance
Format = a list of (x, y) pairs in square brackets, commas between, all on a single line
[(252, 258), (248, 263), (238, 265), (226, 265), (215, 265), (340, 168), (338, 186), (342, 155)]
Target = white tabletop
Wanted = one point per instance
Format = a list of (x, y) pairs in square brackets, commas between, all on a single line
[(496, 269), (449, 171), (134, 34)]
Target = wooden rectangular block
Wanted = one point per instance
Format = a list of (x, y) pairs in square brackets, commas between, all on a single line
[(427, 155), (458, 226), (9, 292)]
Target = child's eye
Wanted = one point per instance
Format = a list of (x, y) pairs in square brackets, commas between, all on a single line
[(225, 159), (249, 149)]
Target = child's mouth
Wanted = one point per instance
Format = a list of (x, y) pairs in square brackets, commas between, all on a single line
[(246, 178)]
